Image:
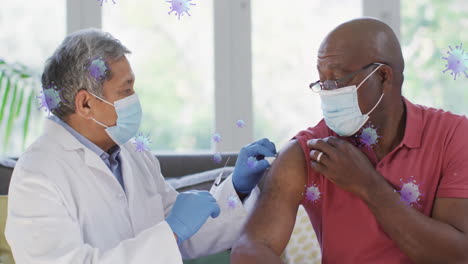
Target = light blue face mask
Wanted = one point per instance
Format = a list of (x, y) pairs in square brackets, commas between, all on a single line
[(128, 122), (341, 110)]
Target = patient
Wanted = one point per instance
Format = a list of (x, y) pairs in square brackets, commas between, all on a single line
[(383, 180)]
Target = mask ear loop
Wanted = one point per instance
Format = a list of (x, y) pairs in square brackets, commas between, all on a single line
[(368, 76), (102, 99), (381, 97), (106, 103), (99, 123)]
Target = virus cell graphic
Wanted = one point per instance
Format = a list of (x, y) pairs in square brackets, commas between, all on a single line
[(252, 162), (98, 69), (409, 192), (457, 61), (217, 157), (313, 193), (368, 136), (216, 137), (240, 123), (102, 1), (50, 98), (232, 201), (141, 142), (180, 7)]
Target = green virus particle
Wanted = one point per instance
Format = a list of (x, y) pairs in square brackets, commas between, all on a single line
[(410, 193), (368, 136), (312, 193), (217, 158), (98, 69), (50, 98), (217, 137), (252, 162), (240, 123), (232, 201), (457, 61), (180, 7), (142, 142)]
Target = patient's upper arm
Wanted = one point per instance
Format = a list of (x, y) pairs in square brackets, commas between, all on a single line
[(273, 219)]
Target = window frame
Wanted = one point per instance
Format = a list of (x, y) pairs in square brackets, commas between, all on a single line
[(232, 58)]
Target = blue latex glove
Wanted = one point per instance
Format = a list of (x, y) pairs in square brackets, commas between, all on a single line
[(190, 211), (248, 170)]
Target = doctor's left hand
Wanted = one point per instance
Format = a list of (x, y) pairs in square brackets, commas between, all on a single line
[(190, 211), (248, 170)]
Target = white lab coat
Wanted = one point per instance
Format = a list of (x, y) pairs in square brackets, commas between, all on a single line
[(65, 206)]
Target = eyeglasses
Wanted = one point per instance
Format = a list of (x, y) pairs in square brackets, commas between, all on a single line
[(336, 84)]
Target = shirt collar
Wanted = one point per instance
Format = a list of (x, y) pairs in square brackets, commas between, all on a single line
[(414, 125), (114, 151)]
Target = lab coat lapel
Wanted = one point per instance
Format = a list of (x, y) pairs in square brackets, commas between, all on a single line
[(69, 142), (127, 174)]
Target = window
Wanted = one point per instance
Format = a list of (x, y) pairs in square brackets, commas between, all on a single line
[(285, 40), (31, 30), (173, 63), (428, 28)]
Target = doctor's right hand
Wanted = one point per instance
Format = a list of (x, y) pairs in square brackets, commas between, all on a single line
[(190, 212)]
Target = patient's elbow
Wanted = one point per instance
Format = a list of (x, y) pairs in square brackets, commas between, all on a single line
[(246, 251)]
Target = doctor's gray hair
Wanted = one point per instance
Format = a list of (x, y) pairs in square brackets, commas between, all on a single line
[(68, 69)]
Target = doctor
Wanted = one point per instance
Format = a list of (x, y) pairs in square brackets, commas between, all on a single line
[(82, 194)]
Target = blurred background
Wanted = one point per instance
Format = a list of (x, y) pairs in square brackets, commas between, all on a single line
[(230, 60)]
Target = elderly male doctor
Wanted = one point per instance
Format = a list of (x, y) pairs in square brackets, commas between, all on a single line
[(82, 194)]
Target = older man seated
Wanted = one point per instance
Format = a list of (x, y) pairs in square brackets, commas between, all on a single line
[(383, 180), (82, 193)]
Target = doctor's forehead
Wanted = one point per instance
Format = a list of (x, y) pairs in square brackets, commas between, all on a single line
[(122, 75)]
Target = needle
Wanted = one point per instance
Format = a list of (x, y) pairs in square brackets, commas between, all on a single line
[(218, 179)]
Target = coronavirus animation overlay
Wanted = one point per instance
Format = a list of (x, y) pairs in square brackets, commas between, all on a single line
[(457, 61), (180, 7)]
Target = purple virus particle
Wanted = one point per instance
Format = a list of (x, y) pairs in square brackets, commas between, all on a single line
[(232, 201), (98, 69), (312, 193), (368, 136), (50, 98), (180, 7), (240, 123), (216, 137), (217, 157), (252, 162), (102, 1), (409, 192), (457, 61), (142, 142)]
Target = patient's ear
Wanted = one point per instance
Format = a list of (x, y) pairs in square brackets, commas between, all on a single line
[(386, 73), (83, 104)]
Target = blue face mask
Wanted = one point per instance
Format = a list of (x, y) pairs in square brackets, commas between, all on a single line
[(341, 110), (128, 122)]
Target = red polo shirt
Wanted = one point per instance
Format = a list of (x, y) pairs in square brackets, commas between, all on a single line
[(431, 161)]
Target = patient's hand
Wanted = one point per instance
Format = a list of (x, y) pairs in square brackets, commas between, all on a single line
[(343, 164)]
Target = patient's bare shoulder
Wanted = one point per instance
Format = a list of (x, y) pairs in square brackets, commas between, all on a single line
[(288, 174)]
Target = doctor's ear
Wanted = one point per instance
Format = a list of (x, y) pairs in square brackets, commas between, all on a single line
[(83, 103)]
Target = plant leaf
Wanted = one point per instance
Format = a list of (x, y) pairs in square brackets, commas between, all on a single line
[(24, 75), (2, 74), (20, 101), (27, 117), (11, 115), (5, 98)]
